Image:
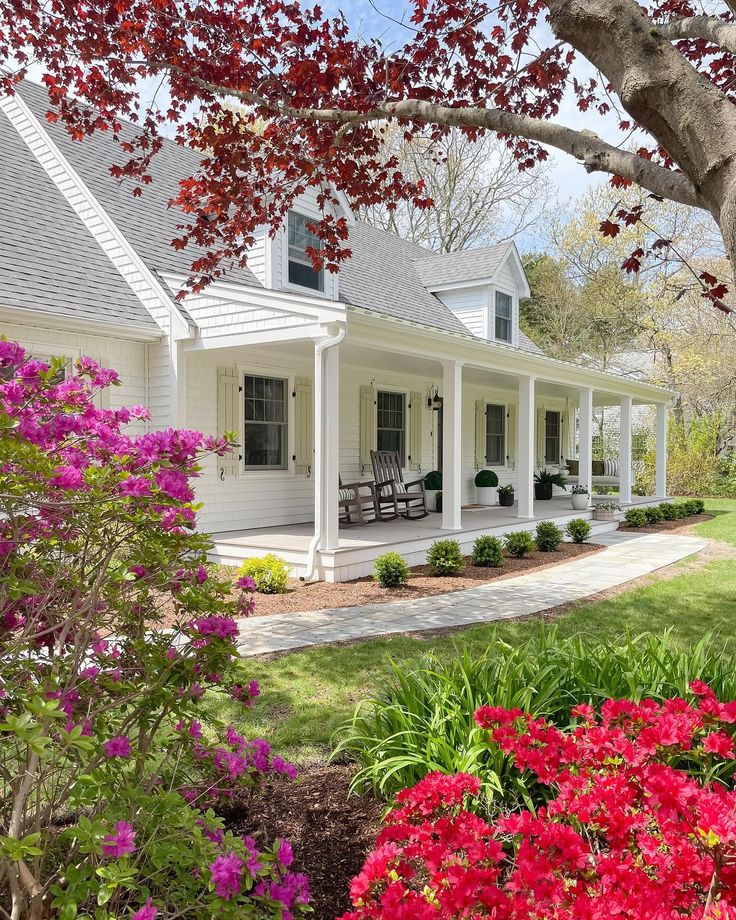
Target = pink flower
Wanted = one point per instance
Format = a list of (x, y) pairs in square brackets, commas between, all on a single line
[(246, 583), (120, 843), (68, 477), (119, 746), (147, 912), (135, 485), (227, 872), (222, 627), (719, 743)]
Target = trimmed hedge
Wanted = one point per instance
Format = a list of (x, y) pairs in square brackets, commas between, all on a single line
[(487, 552)]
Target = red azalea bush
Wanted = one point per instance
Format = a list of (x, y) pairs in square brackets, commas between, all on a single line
[(107, 777), (629, 831)]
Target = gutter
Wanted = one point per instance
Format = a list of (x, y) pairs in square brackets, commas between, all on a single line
[(319, 350)]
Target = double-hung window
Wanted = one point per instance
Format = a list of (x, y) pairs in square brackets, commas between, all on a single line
[(266, 423), (504, 316), (301, 270), (552, 437), (391, 418), (495, 435)]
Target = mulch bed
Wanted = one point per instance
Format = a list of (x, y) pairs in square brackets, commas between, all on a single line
[(330, 830), (301, 596), (681, 525)]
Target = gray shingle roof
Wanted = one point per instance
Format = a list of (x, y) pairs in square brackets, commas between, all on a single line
[(48, 260), (147, 221), (468, 265)]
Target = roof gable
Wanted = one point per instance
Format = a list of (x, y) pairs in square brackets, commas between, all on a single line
[(470, 266)]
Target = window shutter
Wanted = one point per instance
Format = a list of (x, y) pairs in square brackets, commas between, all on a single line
[(303, 426), (511, 436), (540, 438), (415, 431), (227, 417), (367, 426), (480, 434)]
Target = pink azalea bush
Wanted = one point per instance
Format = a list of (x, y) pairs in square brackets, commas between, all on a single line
[(109, 779), (629, 831)]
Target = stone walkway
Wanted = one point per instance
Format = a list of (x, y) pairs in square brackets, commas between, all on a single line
[(627, 556)]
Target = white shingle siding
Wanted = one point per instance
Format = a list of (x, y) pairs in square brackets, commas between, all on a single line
[(217, 316), (470, 307)]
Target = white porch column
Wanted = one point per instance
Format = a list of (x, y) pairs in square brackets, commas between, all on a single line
[(661, 451), (331, 434), (525, 448), (585, 454), (624, 452), (452, 448)]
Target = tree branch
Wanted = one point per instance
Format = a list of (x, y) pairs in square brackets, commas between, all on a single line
[(707, 28), (595, 154)]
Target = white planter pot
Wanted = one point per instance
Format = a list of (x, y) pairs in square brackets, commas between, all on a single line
[(580, 502), (431, 495), (487, 495), (600, 515)]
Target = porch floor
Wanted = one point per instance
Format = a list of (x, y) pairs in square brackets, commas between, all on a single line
[(359, 545)]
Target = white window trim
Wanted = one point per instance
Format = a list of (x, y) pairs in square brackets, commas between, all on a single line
[(288, 285), (513, 294), (289, 377), (505, 406), (560, 438), (406, 393), (70, 353)]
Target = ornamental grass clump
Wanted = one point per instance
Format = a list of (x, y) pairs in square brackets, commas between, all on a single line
[(109, 779), (629, 829), (487, 552), (391, 570), (519, 542), (445, 557), (549, 537), (578, 530)]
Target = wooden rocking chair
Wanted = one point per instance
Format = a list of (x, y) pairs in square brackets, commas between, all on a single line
[(393, 492), (358, 503)]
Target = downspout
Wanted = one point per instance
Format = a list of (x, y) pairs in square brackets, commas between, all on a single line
[(319, 350)]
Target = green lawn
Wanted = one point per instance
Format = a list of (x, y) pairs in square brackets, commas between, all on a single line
[(306, 695)]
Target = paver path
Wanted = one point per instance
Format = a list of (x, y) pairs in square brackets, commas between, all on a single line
[(627, 556)]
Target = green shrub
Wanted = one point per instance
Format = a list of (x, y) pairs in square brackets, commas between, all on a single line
[(635, 517), (445, 557), (519, 543), (549, 536), (653, 515), (578, 530), (391, 570), (697, 505), (486, 479), (487, 552), (669, 511), (421, 718), (433, 480), (682, 509), (270, 573)]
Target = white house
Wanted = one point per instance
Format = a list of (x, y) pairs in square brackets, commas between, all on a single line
[(313, 369)]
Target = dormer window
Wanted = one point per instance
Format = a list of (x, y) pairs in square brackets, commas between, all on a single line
[(301, 270), (504, 314)]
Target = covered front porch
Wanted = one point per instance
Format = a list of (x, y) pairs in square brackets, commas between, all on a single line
[(359, 546)]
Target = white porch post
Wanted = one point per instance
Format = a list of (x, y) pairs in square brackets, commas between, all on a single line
[(525, 448), (331, 435), (452, 465), (624, 452), (585, 455), (661, 451)]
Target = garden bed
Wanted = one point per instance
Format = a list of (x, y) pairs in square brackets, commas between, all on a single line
[(681, 525), (302, 596), (330, 830)]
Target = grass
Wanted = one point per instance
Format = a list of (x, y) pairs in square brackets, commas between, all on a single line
[(306, 695)]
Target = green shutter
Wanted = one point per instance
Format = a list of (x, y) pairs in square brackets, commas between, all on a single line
[(227, 417), (415, 431), (511, 436), (480, 434), (303, 426), (367, 426)]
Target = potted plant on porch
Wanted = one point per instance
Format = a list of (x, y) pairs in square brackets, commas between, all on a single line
[(605, 511), (544, 481), (506, 496), (432, 486), (486, 483), (580, 497)]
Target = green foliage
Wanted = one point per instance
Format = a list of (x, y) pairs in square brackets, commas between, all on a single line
[(578, 530), (545, 476), (433, 480), (519, 543), (422, 718), (486, 479), (549, 536), (445, 557), (653, 514), (270, 573), (487, 552), (506, 490), (635, 517), (669, 511), (694, 466), (391, 570)]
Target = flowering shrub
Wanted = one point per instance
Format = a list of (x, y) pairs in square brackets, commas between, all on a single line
[(628, 831), (107, 778)]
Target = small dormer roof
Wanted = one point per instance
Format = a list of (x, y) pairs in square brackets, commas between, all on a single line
[(471, 266)]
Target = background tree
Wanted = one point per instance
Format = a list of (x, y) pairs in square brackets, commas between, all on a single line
[(477, 194), (665, 69)]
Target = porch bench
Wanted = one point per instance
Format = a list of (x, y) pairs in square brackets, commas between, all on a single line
[(605, 473)]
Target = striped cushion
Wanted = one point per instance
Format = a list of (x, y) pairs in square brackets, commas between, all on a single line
[(610, 467), (346, 494)]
